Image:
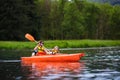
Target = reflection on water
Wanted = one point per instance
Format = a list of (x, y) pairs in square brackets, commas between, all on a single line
[(51, 70), (98, 64)]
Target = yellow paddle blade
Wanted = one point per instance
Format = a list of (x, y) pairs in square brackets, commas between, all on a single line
[(29, 37)]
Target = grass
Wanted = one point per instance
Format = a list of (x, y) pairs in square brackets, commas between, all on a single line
[(16, 49), (60, 43)]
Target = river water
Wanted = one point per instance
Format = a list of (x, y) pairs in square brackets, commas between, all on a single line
[(98, 64)]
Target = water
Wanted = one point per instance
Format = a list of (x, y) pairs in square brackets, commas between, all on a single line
[(98, 64)]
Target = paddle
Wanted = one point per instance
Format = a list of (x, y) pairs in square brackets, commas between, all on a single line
[(31, 38)]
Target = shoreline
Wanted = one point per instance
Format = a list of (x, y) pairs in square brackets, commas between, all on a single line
[(61, 43)]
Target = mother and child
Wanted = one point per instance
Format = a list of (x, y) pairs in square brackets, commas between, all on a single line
[(41, 50)]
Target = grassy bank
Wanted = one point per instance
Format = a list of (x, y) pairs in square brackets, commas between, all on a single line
[(60, 43)]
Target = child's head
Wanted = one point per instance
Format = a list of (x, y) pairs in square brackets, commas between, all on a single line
[(56, 48)]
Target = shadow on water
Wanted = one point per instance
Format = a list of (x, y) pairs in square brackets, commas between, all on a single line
[(10, 70), (13, 54), (98, 64)]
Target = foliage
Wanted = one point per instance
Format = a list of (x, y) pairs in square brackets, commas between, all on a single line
[(58, 20)]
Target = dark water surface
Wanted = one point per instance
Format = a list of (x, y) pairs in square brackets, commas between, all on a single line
[(98, 64)]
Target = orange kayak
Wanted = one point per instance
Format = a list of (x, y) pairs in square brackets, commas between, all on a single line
[(54, 58)]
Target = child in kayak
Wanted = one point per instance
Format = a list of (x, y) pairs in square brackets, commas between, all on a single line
[(55, 50), (41, 50)]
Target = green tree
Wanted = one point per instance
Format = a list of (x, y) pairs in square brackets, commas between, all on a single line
[(15, 17), (91, 13), (43, 21), (56, 18), (115, 23), (103, 24), (72, 23)]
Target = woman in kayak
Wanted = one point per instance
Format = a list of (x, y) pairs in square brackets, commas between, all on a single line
[(41, 50)]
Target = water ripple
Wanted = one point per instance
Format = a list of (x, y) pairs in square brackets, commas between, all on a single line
[(10, 61)]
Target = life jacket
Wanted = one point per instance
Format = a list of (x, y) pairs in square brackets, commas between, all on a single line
[(40, 51), (54, 51)]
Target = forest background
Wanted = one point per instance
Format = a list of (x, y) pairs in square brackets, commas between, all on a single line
[(58, 20)]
